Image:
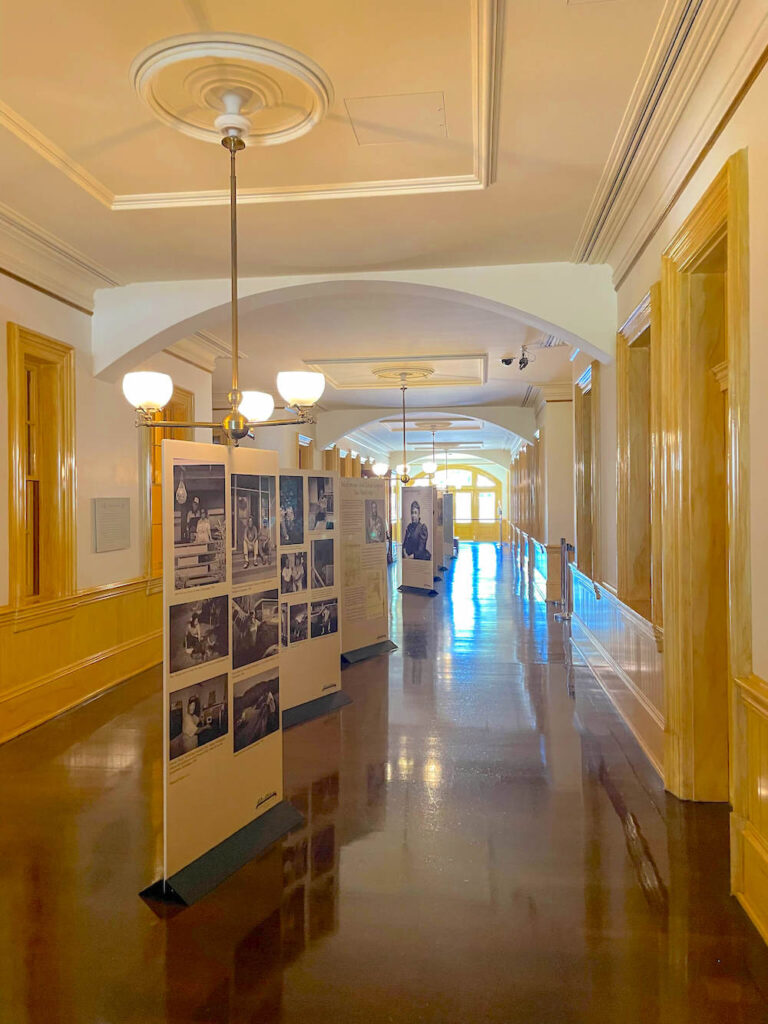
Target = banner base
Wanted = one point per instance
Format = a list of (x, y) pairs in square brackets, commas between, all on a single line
[(443, 568), (203, 875), (371, 651), (315, 709), (403, 589)]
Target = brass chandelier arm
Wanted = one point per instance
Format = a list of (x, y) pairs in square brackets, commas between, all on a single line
[(293, 421)]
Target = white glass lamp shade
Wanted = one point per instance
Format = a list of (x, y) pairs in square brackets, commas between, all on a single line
[(429, 467), (148, 390), (380, 468), (256, 406), (401, 469), (300, 387)]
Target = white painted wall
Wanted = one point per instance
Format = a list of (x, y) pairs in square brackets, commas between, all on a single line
[(106, 439)]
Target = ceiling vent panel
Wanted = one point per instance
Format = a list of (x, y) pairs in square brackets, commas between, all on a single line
[(411, 117)]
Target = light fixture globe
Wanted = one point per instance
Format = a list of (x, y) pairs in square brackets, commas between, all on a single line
[(429, 467), (147, 390), (300, 387), (380, 468), (256, 406)]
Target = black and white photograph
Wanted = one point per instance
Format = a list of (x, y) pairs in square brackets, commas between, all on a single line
[(199, 524), (255, 628), (299, 623), (197, 715), (254, 527), (375, 527), (293, 572), (322, 564), (320, 513), (198, 633), (256, 708), (416, 533), (291, 510), (284, 624), (325, 617)]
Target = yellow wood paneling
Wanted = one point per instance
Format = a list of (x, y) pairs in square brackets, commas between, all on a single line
[(56, 654)]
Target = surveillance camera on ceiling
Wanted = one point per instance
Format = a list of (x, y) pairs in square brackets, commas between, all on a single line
[(507, 361)]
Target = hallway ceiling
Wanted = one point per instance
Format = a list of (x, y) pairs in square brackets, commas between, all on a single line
[(383, 326), (77, 140)]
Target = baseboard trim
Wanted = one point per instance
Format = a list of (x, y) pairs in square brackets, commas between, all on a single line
[(49, 696)]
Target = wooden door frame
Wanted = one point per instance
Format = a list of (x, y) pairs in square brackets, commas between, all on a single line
[(722, 212)]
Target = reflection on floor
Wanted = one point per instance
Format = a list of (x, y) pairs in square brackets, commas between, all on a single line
[(484, 842)]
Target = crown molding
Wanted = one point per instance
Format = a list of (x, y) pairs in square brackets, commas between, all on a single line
[(639, 320), (32, 254), (487, 23), (557, 391), (685, 39), (752, 59), (202, 349)]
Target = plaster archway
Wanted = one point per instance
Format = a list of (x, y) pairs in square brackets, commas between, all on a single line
[(575, 302)]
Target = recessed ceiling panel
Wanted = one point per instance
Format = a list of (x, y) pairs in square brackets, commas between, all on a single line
[(419, 372)]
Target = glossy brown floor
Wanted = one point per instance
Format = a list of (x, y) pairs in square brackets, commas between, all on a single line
[(485, 842)]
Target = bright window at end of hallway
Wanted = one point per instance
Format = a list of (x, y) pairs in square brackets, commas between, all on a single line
[(486, 506), (463, 506), (41, 435)]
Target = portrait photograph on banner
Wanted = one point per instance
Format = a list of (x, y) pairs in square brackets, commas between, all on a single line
[(322, 564), (291, 510), (293, 572), (325, 617), (255, 627), (199, 524), (321, 503), (198, 632), (256, 708), (299, 623), (197, 714), (254, 527)]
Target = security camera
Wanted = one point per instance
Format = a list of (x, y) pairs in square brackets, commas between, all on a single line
[(523, 362), (507, 361)]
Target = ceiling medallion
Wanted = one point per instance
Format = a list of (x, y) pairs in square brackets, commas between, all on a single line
[(404, 374), (184, 80)]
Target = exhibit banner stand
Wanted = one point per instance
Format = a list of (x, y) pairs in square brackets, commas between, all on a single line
[(448, 552), (222, 737), (365, 575), (417, 549), (439, 532), (309, 565)]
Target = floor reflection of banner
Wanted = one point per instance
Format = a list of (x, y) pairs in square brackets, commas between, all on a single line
[(308, 567), (364, 579), (417, 562), (222, 700)]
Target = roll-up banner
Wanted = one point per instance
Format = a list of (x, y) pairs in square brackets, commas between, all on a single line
[(222, 736), (447, 526), (417, 563), (364, 580), (310, 617)]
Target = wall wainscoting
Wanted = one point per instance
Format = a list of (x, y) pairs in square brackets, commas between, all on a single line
[(57, 654), (749, 829), (621, 649)]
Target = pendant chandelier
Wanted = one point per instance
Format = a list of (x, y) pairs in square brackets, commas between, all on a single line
[(403, 469), (150, 392)]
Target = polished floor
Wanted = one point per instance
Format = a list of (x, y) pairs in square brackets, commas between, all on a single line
[(485, 842)]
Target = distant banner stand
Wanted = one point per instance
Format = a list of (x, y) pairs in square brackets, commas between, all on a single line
[(437, 533), (222, 734), (440, 557), (364, 579), (310, 616), (417, 561), (448, 550)]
